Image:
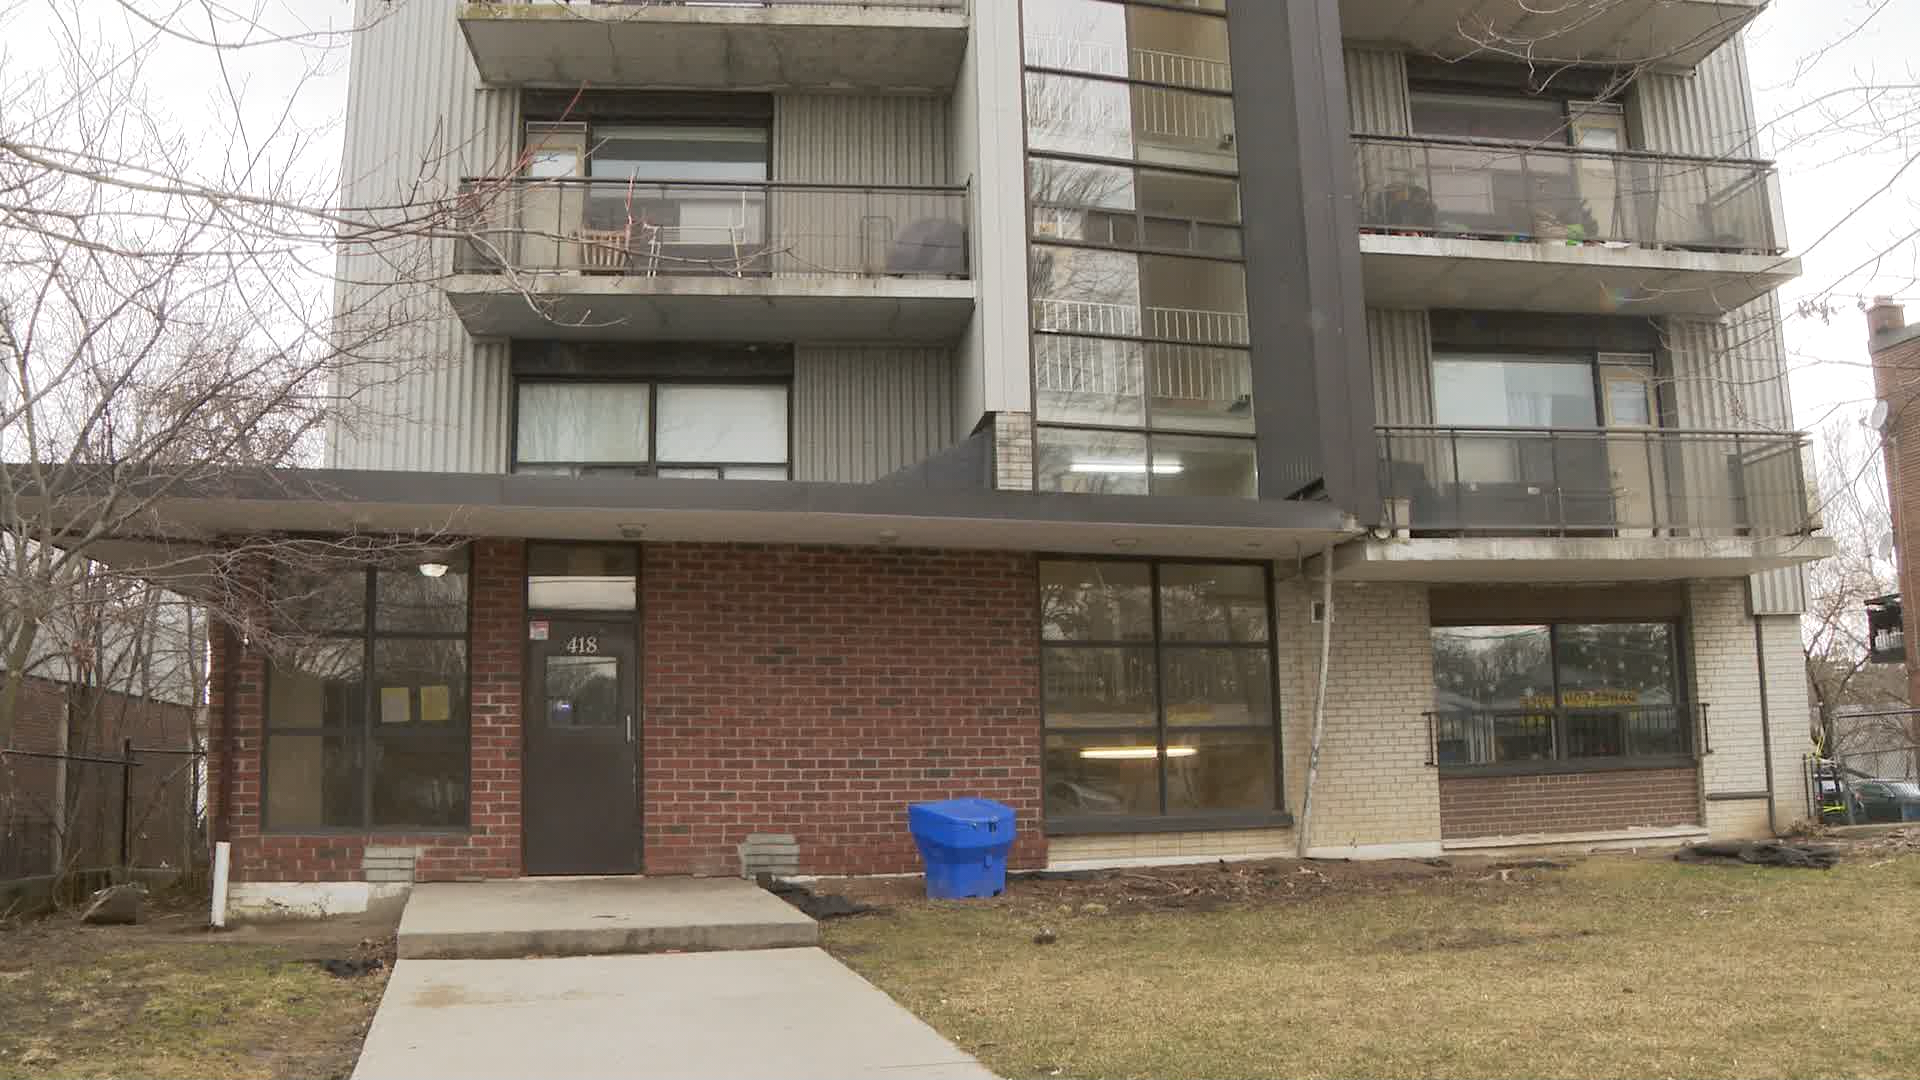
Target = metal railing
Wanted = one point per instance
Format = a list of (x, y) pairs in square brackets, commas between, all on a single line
[(1470, 188), (651, 229), (1565, 733), (1593, 481), (1120, 61), (1108, 319)]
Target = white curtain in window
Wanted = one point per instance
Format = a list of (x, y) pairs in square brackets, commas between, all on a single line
[(582, 422), (723, 423)]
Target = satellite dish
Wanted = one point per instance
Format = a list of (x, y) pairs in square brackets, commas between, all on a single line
[(1877, 419), (1885, 546)]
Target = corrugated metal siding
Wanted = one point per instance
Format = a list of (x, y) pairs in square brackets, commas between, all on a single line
[(862, 139), (1402, 347), (1377, 92), (418, 121), (1730, 374), (861, 413), (1708, 113)]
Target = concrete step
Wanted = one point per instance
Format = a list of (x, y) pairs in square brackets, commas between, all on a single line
[(596, 917)]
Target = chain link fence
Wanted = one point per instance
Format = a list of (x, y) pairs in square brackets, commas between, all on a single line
[(65, 814)]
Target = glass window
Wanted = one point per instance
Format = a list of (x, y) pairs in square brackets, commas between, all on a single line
[(1494, 390), (745, 424), (1213, 602), (583, 692), (427, 597), (1508, 117), (1563, 691), (369, 730), (583, 577), (1161, 727), (1096, 601), (321, 601), (586, 423), (1200, 388), (1187, 465), (1090, 462), (680, 152), (1089, 380)]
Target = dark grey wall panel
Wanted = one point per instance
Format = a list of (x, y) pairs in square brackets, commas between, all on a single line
[(1312, 380)]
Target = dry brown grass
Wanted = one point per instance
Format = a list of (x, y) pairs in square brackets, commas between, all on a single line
[(1619, 966), (165, 1000)]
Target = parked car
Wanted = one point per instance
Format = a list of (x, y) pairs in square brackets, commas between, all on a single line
[(1886, 800)]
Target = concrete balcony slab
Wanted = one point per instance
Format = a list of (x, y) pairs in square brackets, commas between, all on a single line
[(1522, 560), (1666, 35), (1450, 272), (585, 307), (897, 46)]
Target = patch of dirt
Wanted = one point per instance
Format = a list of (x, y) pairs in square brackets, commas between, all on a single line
[(1466, 938), (167, 997), (1205, 887)]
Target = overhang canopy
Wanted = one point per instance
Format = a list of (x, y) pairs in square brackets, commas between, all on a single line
[(337, 502)]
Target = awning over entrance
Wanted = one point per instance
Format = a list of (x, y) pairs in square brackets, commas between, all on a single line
[(333, 502)]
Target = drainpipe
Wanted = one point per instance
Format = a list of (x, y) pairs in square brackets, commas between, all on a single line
[(1766, 721), (1319, 697)]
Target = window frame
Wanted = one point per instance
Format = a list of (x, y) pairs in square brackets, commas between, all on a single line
[(370, 637), (1693, 714), (652, 467), (1164, 821)]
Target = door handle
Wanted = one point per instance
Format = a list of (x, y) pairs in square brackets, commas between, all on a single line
[(629, 727)]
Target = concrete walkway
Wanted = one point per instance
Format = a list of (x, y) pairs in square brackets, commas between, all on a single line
[(791, 1014), (596, 917)]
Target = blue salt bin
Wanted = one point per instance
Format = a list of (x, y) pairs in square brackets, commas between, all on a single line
[(964, 844)]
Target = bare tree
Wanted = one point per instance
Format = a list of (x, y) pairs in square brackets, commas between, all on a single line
[(1841, 674), (186, 306)]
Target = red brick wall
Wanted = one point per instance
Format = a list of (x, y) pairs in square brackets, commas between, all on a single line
[(1472, 806), (491, 848), (1896, 377), (818, 691)]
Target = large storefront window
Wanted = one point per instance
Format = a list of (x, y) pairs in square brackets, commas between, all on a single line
[(367, 692), (1558, 693), (1158, 691), (1142, 378)]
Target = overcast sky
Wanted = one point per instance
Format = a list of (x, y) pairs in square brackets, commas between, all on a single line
[(1802, 52)]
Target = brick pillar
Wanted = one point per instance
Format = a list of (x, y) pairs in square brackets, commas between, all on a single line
[(499, 650)]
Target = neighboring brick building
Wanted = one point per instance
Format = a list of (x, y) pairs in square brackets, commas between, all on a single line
[(1896, 378), (980, 407)]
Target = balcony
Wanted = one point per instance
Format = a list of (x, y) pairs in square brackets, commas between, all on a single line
[(1588, 504), (868, 45), (614, 259), (1665, 35), (1462, 223)]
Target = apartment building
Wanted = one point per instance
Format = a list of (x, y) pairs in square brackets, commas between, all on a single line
[(848, 404)]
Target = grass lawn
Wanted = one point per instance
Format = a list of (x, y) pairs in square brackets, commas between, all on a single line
[(1616, 966), (169, 1000)]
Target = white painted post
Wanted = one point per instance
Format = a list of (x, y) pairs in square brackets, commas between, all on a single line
[(222, 853)]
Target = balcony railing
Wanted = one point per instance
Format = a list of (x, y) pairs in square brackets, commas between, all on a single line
[(1468, 188), (1441, 481), (1549, 734), (1108, 319), (647, 229)]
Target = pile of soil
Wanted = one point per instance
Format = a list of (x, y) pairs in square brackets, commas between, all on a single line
[(1208, 886)]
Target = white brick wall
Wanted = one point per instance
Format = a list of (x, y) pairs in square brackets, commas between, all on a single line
[(1013, 451), (1726, 673), (1375, 786), (1789, 715)]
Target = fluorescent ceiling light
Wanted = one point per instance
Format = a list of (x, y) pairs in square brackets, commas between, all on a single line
[(1135, 753), (1131, 468)]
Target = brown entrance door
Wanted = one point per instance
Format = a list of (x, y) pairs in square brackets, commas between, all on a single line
[(581, 806)]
